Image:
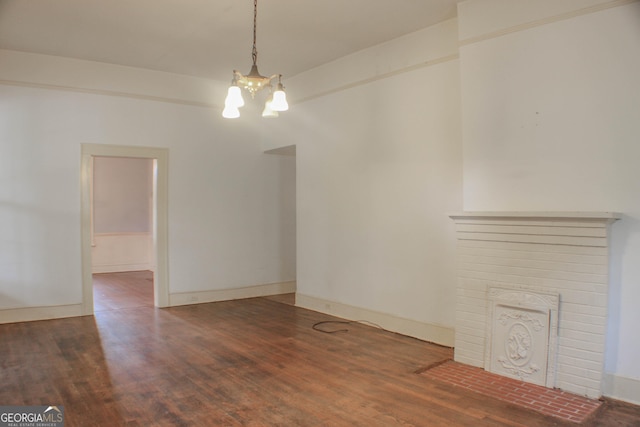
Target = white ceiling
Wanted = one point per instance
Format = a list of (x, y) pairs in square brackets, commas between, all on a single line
[(210, 38)]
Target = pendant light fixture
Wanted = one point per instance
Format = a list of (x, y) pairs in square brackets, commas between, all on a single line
[(253, 83)]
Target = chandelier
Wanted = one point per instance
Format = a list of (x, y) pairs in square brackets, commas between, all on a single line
[(253, 83)]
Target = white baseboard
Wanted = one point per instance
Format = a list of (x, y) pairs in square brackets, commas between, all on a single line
[(621, 388), (28, 314), (120, 268), (186, 298), (424, 331)]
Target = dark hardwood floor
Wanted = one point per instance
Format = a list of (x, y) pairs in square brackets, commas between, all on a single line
[(252, 362)]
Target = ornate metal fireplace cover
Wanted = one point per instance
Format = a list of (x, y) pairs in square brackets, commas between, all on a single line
[(522, 334)]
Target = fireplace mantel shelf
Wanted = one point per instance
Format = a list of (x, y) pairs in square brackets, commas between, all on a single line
[(538, 215)]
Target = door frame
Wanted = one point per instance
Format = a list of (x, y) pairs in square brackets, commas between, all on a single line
[(160, 215)]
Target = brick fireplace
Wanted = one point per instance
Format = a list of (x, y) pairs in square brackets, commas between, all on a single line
[(532, 296)]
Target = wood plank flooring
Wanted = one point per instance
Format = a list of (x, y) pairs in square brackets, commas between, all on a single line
[(253, 362), (112, 291)]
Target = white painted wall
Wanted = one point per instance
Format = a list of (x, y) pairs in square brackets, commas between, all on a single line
[(379, 167), (225, 195), (122, 194), (117, 252), (550, 123)]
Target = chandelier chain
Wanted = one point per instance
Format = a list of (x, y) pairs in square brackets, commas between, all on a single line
[(254, 52)]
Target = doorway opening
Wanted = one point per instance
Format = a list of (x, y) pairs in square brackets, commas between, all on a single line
[(125, 251), (122, 240)]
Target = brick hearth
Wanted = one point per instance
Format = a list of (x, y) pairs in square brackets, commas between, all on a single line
[(553, 402)]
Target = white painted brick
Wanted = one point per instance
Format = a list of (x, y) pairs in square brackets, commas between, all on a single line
[(494, 278), (478, 362), (582, 327), (470, 337), (563, 255), (464, 299), (466, 320), (585, 309), (578, 318), (581, 354), (461, 306), (582, 345), (468, 307), (576, 371), (571, 370), (472, 353), (469, 328), (478, 288), (573, 313), (597, 288), (476, 348), (497, 278), (576, 286), (552, 265), (474, 327), (528, 271), (580, 363), (579, 385), (569, 284), (574, 385), (585, 298), (581, 317), (565, 258), (581, 336), (472, 293), (472, 340), (590, 374), (579, 390), (470, 317)]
